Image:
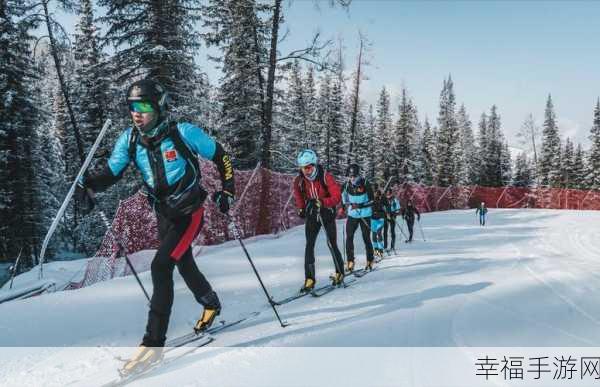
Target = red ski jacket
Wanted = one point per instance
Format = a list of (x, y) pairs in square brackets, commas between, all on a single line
[(305, 189)]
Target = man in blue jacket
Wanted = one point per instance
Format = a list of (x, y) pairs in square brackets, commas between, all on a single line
[(165, 152), (357, 195)]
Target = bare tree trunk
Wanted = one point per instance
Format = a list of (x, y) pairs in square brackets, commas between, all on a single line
[(61, 79), (268, 120), (264, 226)]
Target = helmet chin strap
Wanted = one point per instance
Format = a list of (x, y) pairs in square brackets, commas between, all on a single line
[(156, 130)]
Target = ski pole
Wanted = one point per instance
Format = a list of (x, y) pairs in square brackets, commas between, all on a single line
[(421, 228), (237, 236), (15, 268), (65, 203), (122, 248), (401, 229), (344, 236)]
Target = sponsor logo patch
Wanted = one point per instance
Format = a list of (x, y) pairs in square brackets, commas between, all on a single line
[(170, 155)]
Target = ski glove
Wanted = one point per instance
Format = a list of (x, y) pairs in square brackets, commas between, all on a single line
[(84, 198), (316, 203), (224, 200), (302, 213)]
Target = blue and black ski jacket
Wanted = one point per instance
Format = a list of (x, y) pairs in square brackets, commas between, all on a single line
[(360, 196), (168, 165)]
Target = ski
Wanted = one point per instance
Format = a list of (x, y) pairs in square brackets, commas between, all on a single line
[(193, 336), (199, 340), (290, 298), (329, 288), (124, 380)]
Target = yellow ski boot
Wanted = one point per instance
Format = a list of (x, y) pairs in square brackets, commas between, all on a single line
[(350, 266), (144, 358), (309, 285)]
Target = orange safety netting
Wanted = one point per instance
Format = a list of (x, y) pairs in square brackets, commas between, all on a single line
[(135, 224)]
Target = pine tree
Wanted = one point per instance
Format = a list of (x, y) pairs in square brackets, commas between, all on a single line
[(523, 173), (448, 136), (593, 177), (19, 116), (402, 159), (47, 159), (505, 164), (91, 81), (369, 144), (323, 114), (295, 134), (569, 179), (156, 39), (471, 152), (549, 167), (235, 28), (336, 127), (310, 92), (382, 140), (579, 169), (482, 158), (428, 154)]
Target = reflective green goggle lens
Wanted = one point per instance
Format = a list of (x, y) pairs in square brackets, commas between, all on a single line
[(141, 107)]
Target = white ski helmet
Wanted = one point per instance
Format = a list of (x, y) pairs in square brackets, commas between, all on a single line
[(306, 157)]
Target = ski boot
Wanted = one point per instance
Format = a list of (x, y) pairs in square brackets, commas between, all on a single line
[(309, 285), (212, 308), (142, 360), (350, 266), (337, 279), (369, 266)]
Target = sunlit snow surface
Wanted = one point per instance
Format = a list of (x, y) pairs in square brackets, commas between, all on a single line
[(529, 278)]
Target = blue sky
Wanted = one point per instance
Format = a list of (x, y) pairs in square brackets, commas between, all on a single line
[(511, 54)]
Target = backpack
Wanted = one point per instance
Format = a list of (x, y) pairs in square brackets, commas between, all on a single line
[(174, 135)]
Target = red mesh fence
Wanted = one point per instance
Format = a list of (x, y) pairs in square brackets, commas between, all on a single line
[(135, 224)]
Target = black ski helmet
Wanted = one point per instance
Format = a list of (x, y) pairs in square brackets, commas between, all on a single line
[(353, 170), (148, 90)]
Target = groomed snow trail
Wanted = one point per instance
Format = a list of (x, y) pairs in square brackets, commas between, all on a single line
[(529, 278)]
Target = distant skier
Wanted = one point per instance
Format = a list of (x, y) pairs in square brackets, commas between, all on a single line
[(377, 221), (316, 194), (165, 152), (482, 211), (392, 209), (408, 213), (358, 197)]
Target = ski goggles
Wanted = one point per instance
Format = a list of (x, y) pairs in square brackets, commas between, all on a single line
[(141, 107), (308, 169)]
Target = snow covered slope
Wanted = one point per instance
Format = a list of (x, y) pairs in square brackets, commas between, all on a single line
[(529, 278)]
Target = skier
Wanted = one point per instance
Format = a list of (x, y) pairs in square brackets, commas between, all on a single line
[(408, 213), (482, 211), (392, 209), (357, 195), (377, 221), (165, 152), (316, 194)]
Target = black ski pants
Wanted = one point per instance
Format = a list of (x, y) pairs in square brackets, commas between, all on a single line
[(326, 216), (410, 222), (176, 237), (351, 225), (390, 224)]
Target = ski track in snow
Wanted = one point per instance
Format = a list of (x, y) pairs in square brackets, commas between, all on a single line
[(526, 279)]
